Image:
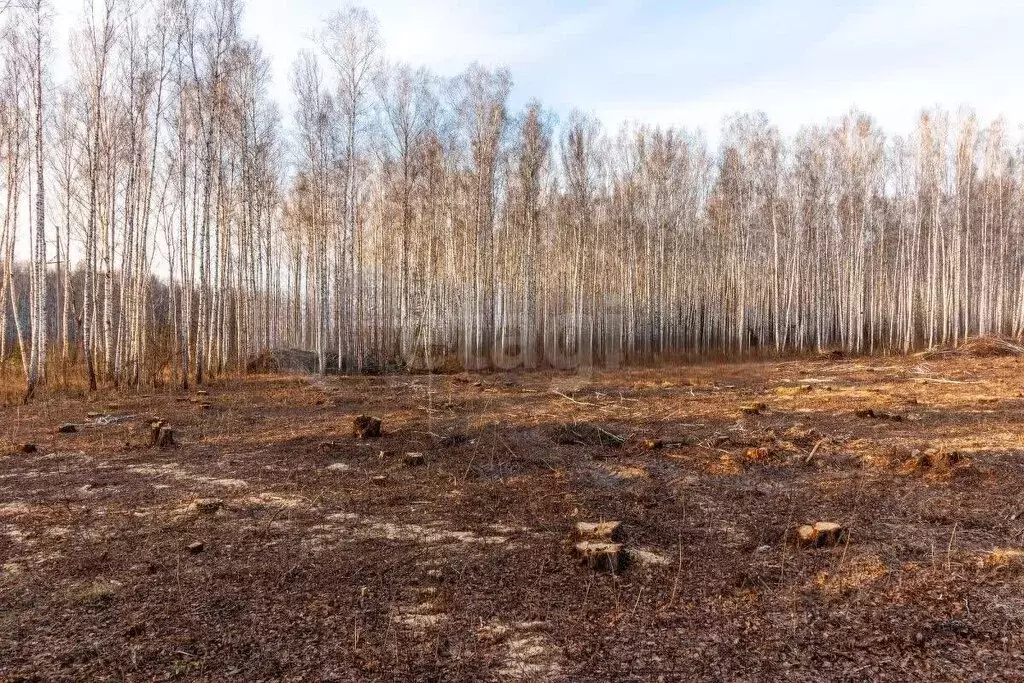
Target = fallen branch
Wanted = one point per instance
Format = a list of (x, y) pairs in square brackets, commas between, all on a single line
[(570, 398)]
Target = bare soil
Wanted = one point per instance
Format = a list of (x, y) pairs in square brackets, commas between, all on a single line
[(269, 544)]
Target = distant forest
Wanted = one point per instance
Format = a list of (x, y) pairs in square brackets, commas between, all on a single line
[(176, 223)]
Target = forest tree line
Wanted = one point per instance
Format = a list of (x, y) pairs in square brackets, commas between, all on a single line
[(165, 221)]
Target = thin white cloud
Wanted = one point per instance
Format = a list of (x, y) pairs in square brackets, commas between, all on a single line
[(890, 59), (448, 35)]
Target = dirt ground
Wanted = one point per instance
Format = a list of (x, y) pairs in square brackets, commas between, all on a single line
[(313, 568)]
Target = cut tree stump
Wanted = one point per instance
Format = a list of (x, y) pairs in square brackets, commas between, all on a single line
[(878, 415), (670, 442), (166, 438), (934, 459), (415, 460), (453, 440), (754, 409), (29, 448), (160, 435), (601, 556), (366, 427), (761, 454), (196, 547), (598, 531), (821, 535), (67, 429), (379, 480), (208, 506)]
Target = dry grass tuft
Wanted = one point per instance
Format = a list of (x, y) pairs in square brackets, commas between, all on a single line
[(97, 592), (1002, 558)]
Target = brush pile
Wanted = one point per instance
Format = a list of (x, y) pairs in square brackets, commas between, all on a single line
[(977, 347)]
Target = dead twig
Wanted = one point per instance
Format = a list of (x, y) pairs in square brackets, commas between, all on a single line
[(810, 456), (570, 398)]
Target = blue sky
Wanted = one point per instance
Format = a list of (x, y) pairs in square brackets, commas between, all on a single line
[(693, 63)]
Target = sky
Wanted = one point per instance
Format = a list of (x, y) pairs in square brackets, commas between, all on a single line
[(690, 63)]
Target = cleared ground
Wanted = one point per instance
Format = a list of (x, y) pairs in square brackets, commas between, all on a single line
[(462, 569)]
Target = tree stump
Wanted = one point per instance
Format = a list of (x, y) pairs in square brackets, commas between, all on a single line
[(761, 454), (208, 506), (941, 458), (160, 435), (453, 440), (754, 409), (601, 556), (415, 460), (934, 459), (196, 548), (379, 480), (670, 442), (29, 448), (67, 429), (366, 427), (871, 413), (598, 531), (821, 535), (166, 438)]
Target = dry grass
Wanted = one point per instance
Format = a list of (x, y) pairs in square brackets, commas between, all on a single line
[(463, 569)]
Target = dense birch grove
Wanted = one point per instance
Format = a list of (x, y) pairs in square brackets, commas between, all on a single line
[(165, 222)]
